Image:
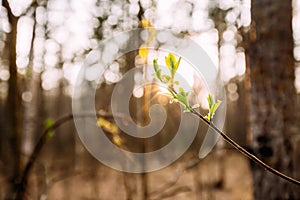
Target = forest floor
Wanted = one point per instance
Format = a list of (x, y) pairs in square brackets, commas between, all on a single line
[(63, 173), (188, 178)]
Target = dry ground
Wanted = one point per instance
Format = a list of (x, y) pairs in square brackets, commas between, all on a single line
[(188, 178)]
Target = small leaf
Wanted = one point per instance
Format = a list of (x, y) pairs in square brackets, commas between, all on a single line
[(172, 64), (214, 108), (207, 117), (210, 100), (157, 69), (48, 124), (177, 65), (165, 78), (176, 82), (181, 90), (170, 61), (182, 97)]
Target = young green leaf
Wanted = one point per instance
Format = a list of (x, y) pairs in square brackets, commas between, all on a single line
[(182, 96), (210, 100), (177, 65), (157, 69), (176, 82), (170, 61), (207, 117), (166, 78), (182, 92), (212, 107), (215, 107), (49, 123), (172, 64)]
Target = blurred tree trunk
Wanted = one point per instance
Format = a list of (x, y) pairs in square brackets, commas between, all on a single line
[(31, 106), (13, 103), (272, 95)]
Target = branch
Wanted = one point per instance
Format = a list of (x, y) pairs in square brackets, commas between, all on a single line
[(173, 192), (244, 151), (41, 142), (237, 146), (179, 172)]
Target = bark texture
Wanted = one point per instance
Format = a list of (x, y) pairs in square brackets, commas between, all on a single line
[(272, 96)]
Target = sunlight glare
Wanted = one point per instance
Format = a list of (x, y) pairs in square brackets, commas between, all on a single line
[(297, 79), (94, 72), (240, 63), (18, 7), (71, 71), (24, 36), (51, 78), (4, 75)]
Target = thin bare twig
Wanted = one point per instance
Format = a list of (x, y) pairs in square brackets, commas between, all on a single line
[(179, 172), (244, 151), (22, 183), (238, 147), (23, 179), (173, 192)]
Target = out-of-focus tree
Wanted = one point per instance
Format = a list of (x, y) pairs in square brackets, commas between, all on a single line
[(272, 95), (13, 104)]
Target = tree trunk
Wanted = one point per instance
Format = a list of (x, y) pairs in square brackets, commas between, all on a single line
[(272, 95), (13, 104)]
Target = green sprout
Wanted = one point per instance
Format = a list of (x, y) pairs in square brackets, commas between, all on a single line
[(181, 96), (48, 124), (212, 107)]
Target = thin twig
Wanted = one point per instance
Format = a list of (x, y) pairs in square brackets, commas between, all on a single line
[(238, 147), (22, 183), (173, 192), (179, 172), (23, 180), (168, 185), (244, 151)]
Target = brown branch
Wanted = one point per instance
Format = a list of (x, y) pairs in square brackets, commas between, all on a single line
[(239, 148), (179, 172), (244, 151), (44, 137), (169, 184), (173, 192), (22, 183)]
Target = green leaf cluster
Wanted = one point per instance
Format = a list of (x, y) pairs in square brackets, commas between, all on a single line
[(172, 65), (212, 107), (181, 96)]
